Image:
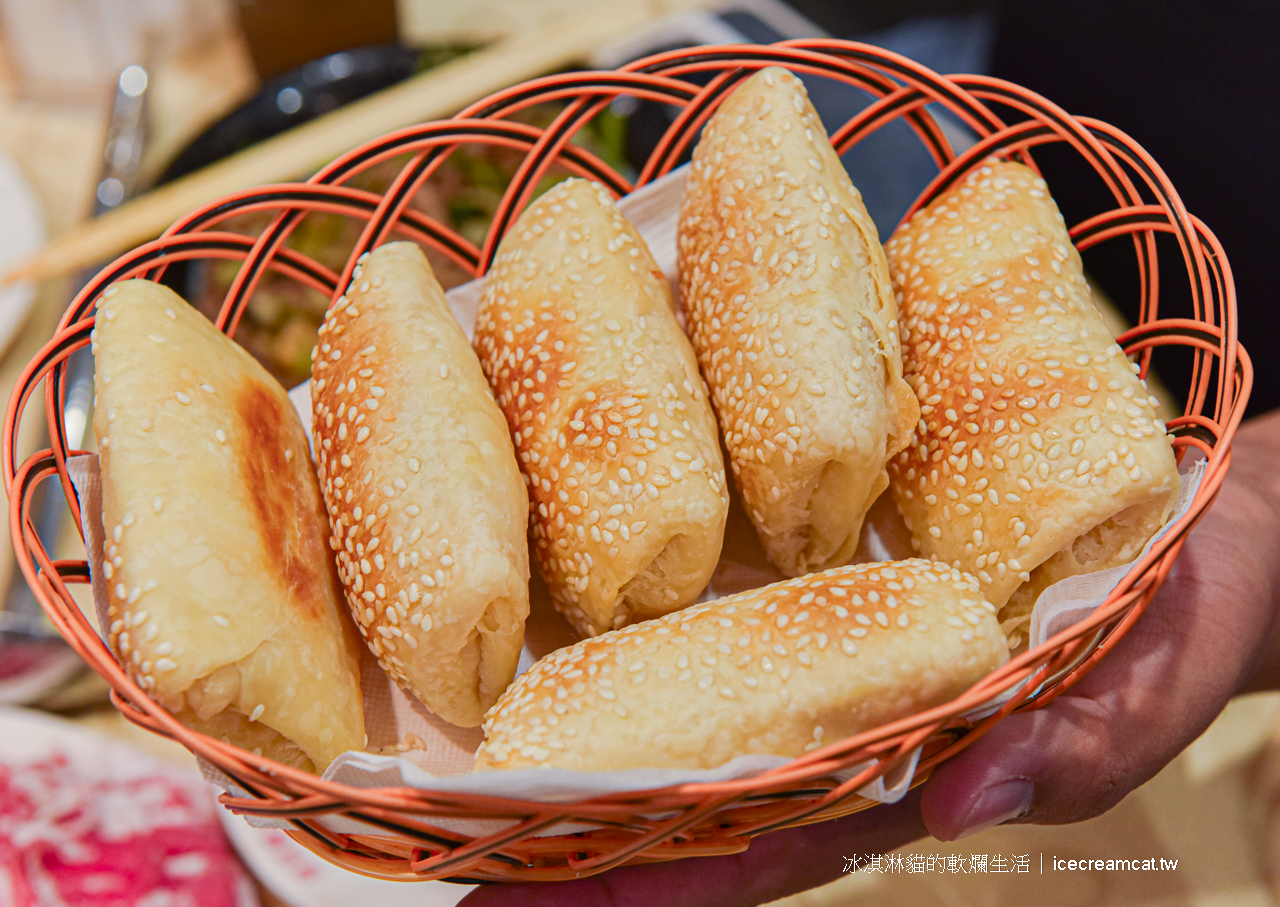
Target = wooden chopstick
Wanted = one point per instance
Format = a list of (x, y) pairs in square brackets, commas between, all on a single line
[(433, 94)]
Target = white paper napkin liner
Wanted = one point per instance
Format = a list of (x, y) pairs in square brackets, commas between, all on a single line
[(86, 478), (368, 770), (549, 785), (653, 210)]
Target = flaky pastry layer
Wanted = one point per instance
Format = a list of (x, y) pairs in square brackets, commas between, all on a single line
[(779, 670)]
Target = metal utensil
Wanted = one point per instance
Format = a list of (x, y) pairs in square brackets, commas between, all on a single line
[(33, 658)]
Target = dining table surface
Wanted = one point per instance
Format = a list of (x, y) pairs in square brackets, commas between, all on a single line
[(1213, 809)]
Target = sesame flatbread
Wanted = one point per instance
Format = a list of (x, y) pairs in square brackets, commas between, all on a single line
[(428, 509), (578, 335), (788, 303), (1039, 454), (814, 660), (224, 602)]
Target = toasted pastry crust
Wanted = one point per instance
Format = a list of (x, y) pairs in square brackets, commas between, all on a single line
[(779, 670), (426, 503), (1039, 454), (224, 601), (788, 303), (578, 335)]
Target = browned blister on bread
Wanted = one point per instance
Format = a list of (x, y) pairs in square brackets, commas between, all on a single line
[(1039, 454), (425, 500), (788, 303), (578, 335), (779, 670), (224, 602)]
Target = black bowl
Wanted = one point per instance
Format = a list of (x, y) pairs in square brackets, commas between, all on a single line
[(312, 89)]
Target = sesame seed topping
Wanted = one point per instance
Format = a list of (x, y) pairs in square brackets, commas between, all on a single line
[(749, 252), (598, 399), (522, 721), (1002, 409)]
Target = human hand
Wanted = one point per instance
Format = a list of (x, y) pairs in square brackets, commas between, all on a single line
[(1210, 633)]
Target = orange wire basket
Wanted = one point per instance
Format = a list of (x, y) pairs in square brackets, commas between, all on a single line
[(403, 838)]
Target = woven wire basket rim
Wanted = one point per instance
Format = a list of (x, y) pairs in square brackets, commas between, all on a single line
[(684, 819)]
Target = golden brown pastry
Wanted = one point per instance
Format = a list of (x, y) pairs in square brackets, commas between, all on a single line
[(224, 603), (425, 499), (780, 670), (788, 302), (1039, 454), (578, 335)]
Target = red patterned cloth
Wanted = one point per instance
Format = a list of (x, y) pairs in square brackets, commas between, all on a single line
[(100, 825)]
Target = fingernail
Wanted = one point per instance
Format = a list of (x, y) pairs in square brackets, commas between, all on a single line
[(998, 803)]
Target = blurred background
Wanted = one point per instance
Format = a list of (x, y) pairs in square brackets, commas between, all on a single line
[(104, 100)]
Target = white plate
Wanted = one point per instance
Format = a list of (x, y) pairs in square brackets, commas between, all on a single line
[(21, 235), (301, 879)]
